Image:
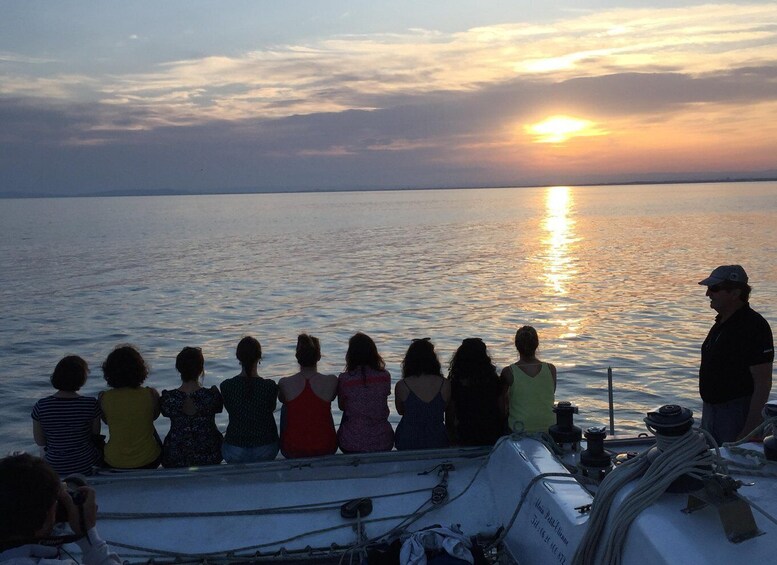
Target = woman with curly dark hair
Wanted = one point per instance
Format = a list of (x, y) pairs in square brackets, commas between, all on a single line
[(474, 415), (130, 409), (421, 398)]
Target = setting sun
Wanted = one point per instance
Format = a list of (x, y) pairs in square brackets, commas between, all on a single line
[(557, 129)]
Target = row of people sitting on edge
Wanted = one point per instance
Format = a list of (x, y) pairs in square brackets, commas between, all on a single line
[(475, 405)]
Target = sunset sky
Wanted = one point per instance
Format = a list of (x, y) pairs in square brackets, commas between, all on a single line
[(103, 96)]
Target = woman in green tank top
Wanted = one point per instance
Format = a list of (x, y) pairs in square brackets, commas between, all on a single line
[(529, 386)]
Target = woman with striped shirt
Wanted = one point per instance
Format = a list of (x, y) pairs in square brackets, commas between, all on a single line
[(64, 423)]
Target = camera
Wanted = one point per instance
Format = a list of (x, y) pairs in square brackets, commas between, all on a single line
[(72, 482)]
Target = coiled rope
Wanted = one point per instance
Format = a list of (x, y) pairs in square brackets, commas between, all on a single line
[(759, 466), (683, 455)]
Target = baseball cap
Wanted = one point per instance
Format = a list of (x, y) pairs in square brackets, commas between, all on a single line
[(726, 273)]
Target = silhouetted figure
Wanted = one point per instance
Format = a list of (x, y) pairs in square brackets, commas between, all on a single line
[(735, 375), (475, 415), (250, 400), (530, 386), (309, 429), (67, 424), (362, 394), (421, 398), (30, 494), (193, 439), (130, 409)]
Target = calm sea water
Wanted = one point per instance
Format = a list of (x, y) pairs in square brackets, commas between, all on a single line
[(607, 275)]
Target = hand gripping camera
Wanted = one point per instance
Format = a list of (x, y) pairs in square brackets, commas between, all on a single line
[(72, 482)]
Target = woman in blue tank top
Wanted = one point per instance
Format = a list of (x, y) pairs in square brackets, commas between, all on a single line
[(421, 398)]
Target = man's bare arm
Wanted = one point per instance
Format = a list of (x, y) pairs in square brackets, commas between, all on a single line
[(762, 386)]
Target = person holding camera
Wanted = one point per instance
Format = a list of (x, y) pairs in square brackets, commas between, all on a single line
[(32, 501)]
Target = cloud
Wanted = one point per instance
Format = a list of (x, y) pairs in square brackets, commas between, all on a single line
[(358, 71), (432, 138), (418, 107)]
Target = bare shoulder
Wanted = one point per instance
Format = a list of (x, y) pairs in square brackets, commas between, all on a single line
[(330, 383), (283, 389), (331, 379), (400, 389), (507, 375), (285, 382)]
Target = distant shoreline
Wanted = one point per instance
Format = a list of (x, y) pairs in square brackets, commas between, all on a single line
[(227, 192)]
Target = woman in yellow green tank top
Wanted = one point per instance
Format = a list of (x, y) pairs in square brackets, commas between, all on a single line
[(529, 386), (129, 409)]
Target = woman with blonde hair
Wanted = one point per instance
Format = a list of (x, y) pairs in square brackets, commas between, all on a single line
[(529, 386)]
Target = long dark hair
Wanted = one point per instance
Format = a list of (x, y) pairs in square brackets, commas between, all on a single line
[(471, 363), (421, 359), (362, 352)]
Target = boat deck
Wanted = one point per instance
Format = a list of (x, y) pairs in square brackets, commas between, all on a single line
[(520, 494)]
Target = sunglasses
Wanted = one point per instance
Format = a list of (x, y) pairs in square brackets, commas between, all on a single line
[(716, 288)]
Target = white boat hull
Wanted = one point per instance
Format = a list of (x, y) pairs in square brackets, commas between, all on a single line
[(291, 509)]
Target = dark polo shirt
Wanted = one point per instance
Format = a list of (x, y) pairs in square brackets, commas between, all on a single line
[(731, 348)]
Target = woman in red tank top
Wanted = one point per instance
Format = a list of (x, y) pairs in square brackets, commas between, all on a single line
[(307, 427)]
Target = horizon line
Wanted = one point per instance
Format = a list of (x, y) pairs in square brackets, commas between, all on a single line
[(10, 195)]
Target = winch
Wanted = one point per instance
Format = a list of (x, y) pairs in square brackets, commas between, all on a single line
[(564, 432), (595, 462), (668, 423)]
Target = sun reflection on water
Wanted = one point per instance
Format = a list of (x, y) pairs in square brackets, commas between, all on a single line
[(560, 242)]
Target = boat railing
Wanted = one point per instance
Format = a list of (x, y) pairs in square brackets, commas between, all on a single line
[(608, 370)]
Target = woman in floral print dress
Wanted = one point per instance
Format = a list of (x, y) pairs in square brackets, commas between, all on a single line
[(193, 439)]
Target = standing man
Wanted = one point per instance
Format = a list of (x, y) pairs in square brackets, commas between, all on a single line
[(735, 375)]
